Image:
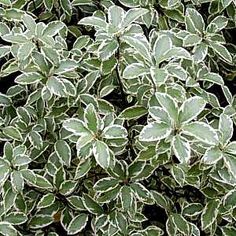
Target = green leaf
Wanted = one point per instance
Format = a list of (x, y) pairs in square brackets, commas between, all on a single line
[(192, 209), (201, 131), (76, 202), (213, 78), (6, 2), (181, 224), (81, 42), (176, 52), (160, 200), (91, 205), (60, 87), (191, 108), (135, 70), (200, 52), (209, 213), (133, 112), (226, 129), (25, 50), (82, 169), (42, 182), (94, 21), (16, 38), (101, 154), (21, 160), (29, 78), (51, 55), (222, 51), (29, 22), (17, 181), (5, 100), (107, 48), (40, 221), (66, 6), (154, 131), (63, 151), (16, 218), (46, 201), (181, 149), (4, 171), (108, 196), (126, 195), (217, 24), (67, 187), (168, 104), (230, 162), (12, 132), (53, 28), (4, 50), (212, 156), (114, 132), (75, 126), (191, 40), (115, 16), (66, 66), (159, 75), (147, 154), (132, 15), (161, 46), (7, 229), (106, 184), (91, 118), (231, 148), (59, 177), (141, 192), (121, 222), (35, 139), (194, 21), (77, 224), (140, 45)]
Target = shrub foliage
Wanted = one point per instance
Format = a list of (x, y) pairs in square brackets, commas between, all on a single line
[(117, 117)]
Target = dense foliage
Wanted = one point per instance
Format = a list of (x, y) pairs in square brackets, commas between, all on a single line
[(117, 117)]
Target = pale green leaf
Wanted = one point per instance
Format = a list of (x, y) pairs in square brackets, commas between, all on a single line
[(168, 104), (194, 21), (114, 132), (132, 15), (133, 112), (94, 21), (181, 149), (135, 70), (29, 78), (212, 156), (201, 131), (102, 154), (191, 108), (12, 132), (7, 229), (63, 151), (226, 128), (154, 131), (222, 51), (77, 224), (162, 45), (210, 213)]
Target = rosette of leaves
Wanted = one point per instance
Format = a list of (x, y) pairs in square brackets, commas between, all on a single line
[(173, 123), (205, 39), (101, 138), (120, 23), (152, 61)]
